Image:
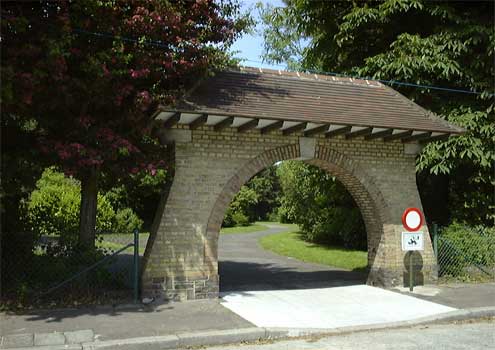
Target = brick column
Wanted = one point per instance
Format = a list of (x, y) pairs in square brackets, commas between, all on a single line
[(383, 184), (177, 264), (397, 184)]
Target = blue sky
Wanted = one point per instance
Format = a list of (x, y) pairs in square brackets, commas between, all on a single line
[(250, 46)]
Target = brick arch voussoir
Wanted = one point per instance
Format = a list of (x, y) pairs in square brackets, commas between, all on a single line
[(247, 171), (354, 176)]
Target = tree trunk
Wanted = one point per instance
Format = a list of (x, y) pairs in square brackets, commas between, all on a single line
[(89, 197)]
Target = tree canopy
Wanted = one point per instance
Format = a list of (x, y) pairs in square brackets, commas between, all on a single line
[(81, 79), (446, 44)]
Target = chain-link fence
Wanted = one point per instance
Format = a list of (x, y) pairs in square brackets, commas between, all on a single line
[(46, 271), (465, 253)]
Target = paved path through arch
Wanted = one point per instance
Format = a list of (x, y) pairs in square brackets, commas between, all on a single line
[(269, 290), (245, 266)]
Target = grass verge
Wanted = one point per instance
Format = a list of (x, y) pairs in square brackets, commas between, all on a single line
[(290, 244), (243, 229)]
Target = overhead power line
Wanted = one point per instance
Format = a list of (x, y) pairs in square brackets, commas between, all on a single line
[(161, 44), (391, 82)]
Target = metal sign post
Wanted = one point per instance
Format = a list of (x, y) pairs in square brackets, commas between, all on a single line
[(411, 272), (412, 240)]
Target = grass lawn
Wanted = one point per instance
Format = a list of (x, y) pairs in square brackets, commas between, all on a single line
[(290, 244), (243, 229)]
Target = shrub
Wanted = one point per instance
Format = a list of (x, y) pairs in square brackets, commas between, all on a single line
[(274, 216), (462, 246), (127, 221), (240, 219), (238, 211), (53, 209)]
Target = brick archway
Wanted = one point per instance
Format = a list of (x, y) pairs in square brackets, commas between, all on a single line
[(239, 121), (181, 259), (360, 185)]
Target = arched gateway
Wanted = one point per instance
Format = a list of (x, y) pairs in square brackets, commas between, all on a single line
[(239, 122)]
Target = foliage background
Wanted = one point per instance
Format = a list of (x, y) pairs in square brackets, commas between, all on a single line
[(449, 44)]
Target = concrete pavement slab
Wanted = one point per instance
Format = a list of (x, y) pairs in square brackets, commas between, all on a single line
[(55, 338), (328, 307), (78, 337), (17, 341)]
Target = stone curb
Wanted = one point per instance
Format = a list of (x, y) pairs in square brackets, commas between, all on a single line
[(53, 340), (233, 336)]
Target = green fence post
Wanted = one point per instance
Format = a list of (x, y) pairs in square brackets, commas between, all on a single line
[(136, 265), (435, 240)]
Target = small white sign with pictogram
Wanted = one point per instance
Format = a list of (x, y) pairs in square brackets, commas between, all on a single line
[(412, 241)]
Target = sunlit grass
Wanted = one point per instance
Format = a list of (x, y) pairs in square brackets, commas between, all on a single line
[(243, 229), (290, 244)]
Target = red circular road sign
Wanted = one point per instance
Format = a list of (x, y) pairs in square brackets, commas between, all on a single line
[(412, 219)]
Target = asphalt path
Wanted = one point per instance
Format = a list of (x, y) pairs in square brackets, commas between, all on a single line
[(245, 266)]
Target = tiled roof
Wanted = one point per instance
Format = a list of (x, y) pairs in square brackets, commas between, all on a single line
[(319, 99)]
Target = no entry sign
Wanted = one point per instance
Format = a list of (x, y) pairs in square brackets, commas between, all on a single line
[(412, 219)]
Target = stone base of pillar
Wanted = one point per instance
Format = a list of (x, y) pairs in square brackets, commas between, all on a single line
[(388, 277), (181, 288)]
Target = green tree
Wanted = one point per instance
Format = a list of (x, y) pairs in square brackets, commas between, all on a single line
[(320, 205), (237, 212), (449, 44), (266, 186)]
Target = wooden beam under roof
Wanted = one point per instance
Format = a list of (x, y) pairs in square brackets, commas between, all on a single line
[(223, 124), (174, 119), (435, 138), (361, 132), (379, 134), (294, 128), (399, 135), (248, 126), (196, 123), (417, 137), (317, 130), (339, 131), (272, 126)]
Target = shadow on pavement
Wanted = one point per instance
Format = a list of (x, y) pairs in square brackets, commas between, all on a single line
[(250, 276)]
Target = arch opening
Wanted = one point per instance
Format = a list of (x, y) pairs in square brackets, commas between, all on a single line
[(366, 197)]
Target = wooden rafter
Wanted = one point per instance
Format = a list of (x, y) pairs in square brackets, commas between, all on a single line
[(379, 134), (248, 126), (294, 128), (399, 135), (339, 131), (317, 130), (417, 137), (223, 124), (174, 119), (357, 133), (196, 123), (273, 126), (435, 138)]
